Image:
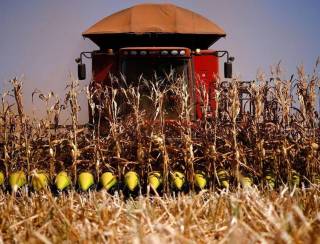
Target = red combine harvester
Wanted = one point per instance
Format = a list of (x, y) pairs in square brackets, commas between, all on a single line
[(153, 39)]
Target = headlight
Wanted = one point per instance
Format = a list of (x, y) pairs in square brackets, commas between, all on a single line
[(174, 52), (164, 52)]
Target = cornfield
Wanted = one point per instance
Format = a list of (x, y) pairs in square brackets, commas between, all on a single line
[(246, 171)]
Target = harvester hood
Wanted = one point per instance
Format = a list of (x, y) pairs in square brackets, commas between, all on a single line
[(154, 25)]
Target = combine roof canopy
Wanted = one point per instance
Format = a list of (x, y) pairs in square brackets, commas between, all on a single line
[(154, 25)]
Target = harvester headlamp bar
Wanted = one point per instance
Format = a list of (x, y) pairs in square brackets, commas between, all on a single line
[(154, 52)]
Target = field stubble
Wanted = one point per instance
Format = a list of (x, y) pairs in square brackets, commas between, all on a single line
[(240, 217)]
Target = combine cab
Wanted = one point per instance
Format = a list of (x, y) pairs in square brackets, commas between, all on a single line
[(160, 40)]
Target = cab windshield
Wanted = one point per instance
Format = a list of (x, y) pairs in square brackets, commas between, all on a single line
[(153, 68), (144, 71)]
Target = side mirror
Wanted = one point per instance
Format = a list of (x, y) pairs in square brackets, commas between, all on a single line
[(81, 71), (228, 70)]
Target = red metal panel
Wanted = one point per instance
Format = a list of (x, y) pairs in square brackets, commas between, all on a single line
[(102, 66), (206, 69)]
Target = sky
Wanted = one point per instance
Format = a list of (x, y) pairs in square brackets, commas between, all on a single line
[(40, 39)]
